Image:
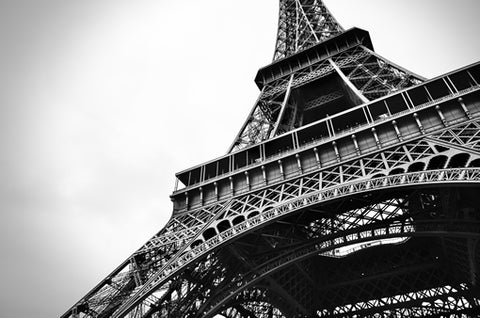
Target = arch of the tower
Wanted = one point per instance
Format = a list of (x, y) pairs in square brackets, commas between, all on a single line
[(401, 248), (429, 157), (259, 211), (318, 272), (440, 159)]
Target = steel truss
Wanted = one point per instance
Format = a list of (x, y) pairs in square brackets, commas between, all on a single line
[(334, 183), (370, 74), (302, 24), (277, 202), (375, 219)]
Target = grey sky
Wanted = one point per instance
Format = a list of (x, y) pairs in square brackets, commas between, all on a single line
[(102, 101)]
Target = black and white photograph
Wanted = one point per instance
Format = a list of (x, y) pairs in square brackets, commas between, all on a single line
[(239, 159)]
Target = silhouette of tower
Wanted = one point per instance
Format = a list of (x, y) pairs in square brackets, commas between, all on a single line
[(351, 190)]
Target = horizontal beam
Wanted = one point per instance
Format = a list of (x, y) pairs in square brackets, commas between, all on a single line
[(400, 117), (314, 54)]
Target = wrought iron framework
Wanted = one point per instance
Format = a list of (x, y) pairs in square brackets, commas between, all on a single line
[(302, 24), (350, 191)]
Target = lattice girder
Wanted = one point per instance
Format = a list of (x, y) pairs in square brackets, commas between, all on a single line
[(265, 217), (270, 260), (366, 145), (357, 138), (329, 179), (380, 78), (225, 297), (301, 24), (367, 212)]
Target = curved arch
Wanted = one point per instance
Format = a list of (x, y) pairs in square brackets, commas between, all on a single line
[(331, 242), (288, 206), (196, 243), (209, 233), (458, 161), (223, 226), (437, 162), (237, 220), (416, 166)]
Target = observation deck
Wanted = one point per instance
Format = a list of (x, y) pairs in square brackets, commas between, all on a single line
[(361, 130)]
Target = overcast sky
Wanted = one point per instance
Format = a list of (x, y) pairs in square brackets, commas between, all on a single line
[(101, 102)]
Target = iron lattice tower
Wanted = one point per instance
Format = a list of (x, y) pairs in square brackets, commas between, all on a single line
[(350, 191)]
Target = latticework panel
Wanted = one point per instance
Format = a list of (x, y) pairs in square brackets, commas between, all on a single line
[(392, 279), (295, 230), (212, 224), (301, 24), (372, 75)]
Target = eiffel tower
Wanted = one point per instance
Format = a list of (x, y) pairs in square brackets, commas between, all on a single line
[(351, 190)]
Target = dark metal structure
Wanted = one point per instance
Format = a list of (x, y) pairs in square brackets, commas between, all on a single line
[(352, 190)]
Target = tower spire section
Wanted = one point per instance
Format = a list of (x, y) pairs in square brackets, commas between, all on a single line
[(301, 24), (312, 46)]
